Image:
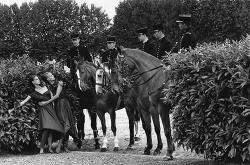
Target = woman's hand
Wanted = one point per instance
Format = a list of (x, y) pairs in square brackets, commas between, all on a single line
[(42, 103)]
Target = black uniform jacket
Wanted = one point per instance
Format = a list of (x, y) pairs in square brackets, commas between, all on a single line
[(80, 53), (148, 47), (109, 56), (186, 41), (163, 45)]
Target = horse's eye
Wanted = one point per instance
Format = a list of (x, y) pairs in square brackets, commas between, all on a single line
[(99, 75)]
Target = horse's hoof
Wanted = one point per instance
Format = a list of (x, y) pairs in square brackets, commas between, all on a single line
[(58, 151), (137, 138), (103, 149), (146, 152), (97, 146), (157, 152), (130, 147), (79, 144), (116, 149), (168, 158)]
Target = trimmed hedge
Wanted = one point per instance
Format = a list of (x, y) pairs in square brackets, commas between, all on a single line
[(18, 128), (211, 99)]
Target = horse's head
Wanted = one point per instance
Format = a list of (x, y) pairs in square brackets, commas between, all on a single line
[(99, 80), (141, 69), (103, 79), (86, 75)]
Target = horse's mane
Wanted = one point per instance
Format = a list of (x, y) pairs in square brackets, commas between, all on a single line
[(144, 65), (139, 55)]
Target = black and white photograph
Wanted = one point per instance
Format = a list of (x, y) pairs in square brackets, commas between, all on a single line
[(124, 82)]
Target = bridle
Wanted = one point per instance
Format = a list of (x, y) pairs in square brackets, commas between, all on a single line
[(105, 80), (131, 79)]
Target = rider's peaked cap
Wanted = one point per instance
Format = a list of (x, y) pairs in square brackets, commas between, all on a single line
[(74, 35), (185, 18), (158, 26), (143, 30), (111, 39)]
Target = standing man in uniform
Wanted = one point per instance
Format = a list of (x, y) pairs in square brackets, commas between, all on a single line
[(163, 44), (77, 54), (187, 39), (146, 45)]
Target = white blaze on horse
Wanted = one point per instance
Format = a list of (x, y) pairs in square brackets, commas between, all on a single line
[(87, 95), (106, 101)]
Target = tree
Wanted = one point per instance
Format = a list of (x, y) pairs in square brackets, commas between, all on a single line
[(212, 20), (132, 14), (42, 28)]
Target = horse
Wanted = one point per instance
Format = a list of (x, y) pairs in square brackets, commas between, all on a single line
[(87, 90), (146, 76), (108, 101)]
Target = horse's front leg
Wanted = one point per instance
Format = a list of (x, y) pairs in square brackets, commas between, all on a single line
[(164, 112), (146, 124), (113, 128), (101, 116), (93, 117), (131, 119), (156, 121), (80, 119)]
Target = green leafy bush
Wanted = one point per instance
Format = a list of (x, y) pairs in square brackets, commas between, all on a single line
[(18, 127), (211, 99)]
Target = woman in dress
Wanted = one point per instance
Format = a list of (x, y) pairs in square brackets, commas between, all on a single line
[(49, 124), (63, 109)]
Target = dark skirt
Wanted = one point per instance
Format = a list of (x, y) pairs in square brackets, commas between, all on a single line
[(65, 115), (48, 120)]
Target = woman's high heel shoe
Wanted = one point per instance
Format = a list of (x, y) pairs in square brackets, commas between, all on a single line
[(51, 151)]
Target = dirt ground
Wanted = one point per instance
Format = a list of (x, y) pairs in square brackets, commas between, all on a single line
[(88, 155)]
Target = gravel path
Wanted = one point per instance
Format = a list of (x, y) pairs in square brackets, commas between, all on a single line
[(87, 155)]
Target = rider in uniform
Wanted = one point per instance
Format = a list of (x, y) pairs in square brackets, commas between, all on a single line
[(146, 45), (77, 54), (108, 59), (163, 45), (187, 38), (110, 55)]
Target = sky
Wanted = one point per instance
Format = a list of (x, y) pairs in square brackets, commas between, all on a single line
[(107, 5)]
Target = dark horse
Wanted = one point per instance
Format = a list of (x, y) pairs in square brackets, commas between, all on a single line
[(85, 92), (146, 76), (107, 101)]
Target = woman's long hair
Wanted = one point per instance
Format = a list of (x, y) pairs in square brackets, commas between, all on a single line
[(30, 86), (50, 86)]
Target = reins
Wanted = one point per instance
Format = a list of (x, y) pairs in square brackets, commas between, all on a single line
[(134, 77)]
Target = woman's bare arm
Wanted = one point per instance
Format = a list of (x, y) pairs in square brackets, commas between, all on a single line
[(24, 101), (58, 92)]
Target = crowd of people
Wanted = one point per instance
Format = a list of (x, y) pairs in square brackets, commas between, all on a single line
[(56, 120)]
